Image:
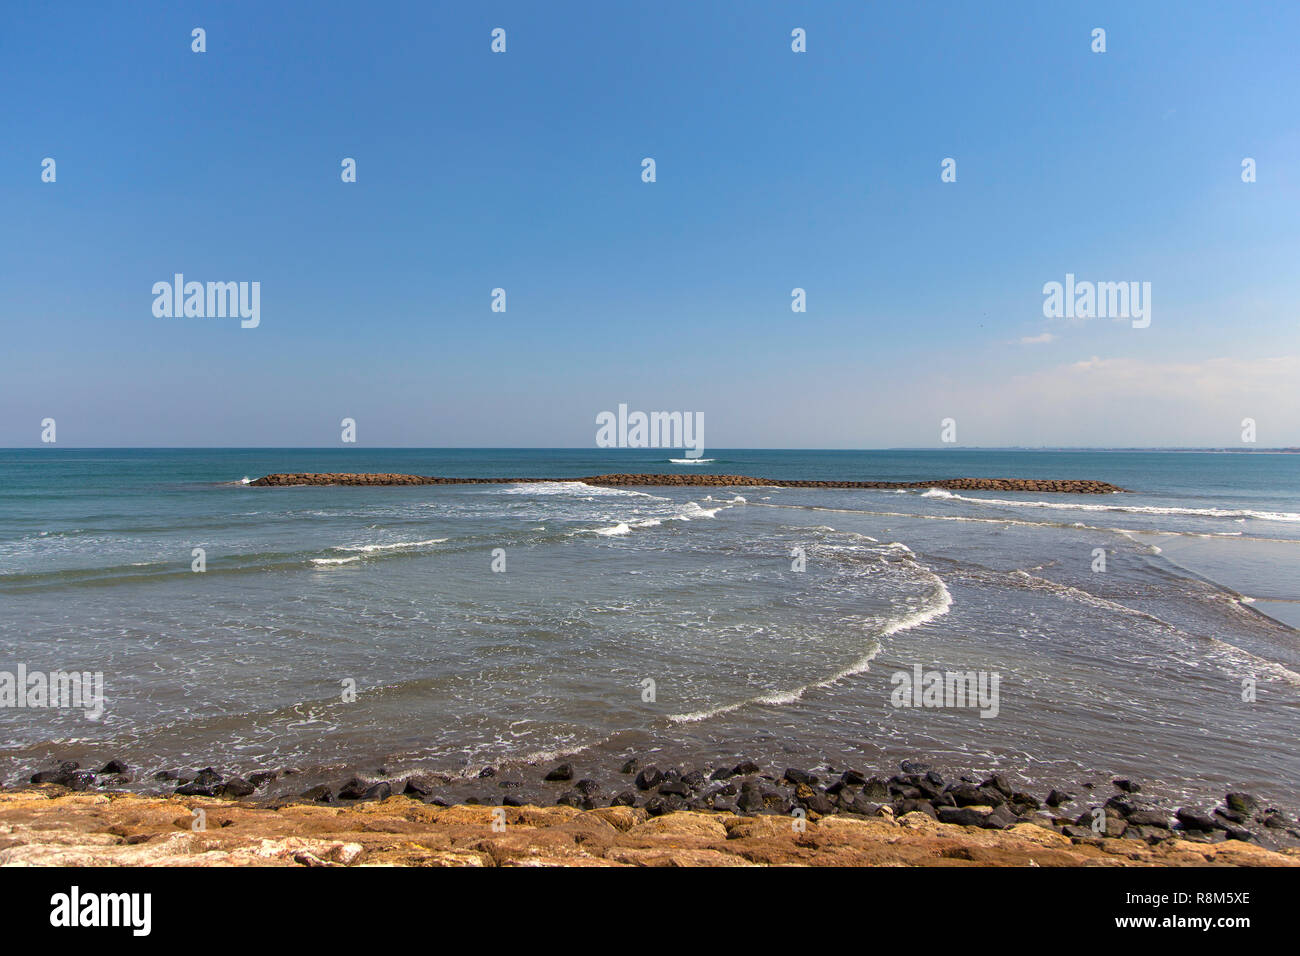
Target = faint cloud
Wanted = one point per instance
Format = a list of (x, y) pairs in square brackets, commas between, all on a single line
[(1038, 339)]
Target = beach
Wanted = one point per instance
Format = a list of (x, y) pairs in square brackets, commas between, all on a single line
[(324, 643), (42, 829)]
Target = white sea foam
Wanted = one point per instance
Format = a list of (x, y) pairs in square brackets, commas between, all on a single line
[(691, 461), (1239, 513), (940, 602), (394, 546), (574, 489)]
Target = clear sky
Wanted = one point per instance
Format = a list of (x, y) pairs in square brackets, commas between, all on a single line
[(775, 170)]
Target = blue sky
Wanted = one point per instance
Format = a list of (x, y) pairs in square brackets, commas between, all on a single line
[(775, 170)]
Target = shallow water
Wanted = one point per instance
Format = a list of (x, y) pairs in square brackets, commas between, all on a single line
[(1134, 670)]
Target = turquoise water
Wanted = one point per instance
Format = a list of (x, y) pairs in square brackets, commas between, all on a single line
[(1136, 669)]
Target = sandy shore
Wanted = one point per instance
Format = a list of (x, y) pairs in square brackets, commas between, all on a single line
[(49, 826)]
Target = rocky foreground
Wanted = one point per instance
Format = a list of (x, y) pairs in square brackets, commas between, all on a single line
[(51, 826), (1066, 485), (827, 816)]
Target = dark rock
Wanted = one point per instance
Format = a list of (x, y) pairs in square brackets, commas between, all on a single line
[(321, 794), (487, 772), (744, 768), (196, 789), (79, 780), (913, 766), (751, 798), (353, 789), (694, 779), (1125, 805), (1128, 786), (966, 795), (876, 789), (207, 776), (625, 799), (963, 816), (1000, 819), (648, 778), (510, 800), (1058, 797), (817, 803), (167, 775), (851, 778), (774, 801), (380, 791), (658, 806), (999, 783), (587, 787), (1025, 800), (236, 787), (676, 787), (915, 806), (632, 766), (1149, 834), (1242, 802), (863, 807), (114, 766), (1192, 819), (934, 777), (563, 772), (261, 778), (419, 786), (1148, 818), (570, 798), (927, 787)]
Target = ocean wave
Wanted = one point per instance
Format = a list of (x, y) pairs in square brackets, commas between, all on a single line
[(574, 488), (689, 511), (1014, 522), (1236, 513), (692, 461), (939, 603), (394, 546)]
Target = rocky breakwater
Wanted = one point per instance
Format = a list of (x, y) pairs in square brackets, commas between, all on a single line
[(734, 816), (1083, 814), (1076, 486)]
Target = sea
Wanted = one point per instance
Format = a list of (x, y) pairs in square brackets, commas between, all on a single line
[(327, 631)]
